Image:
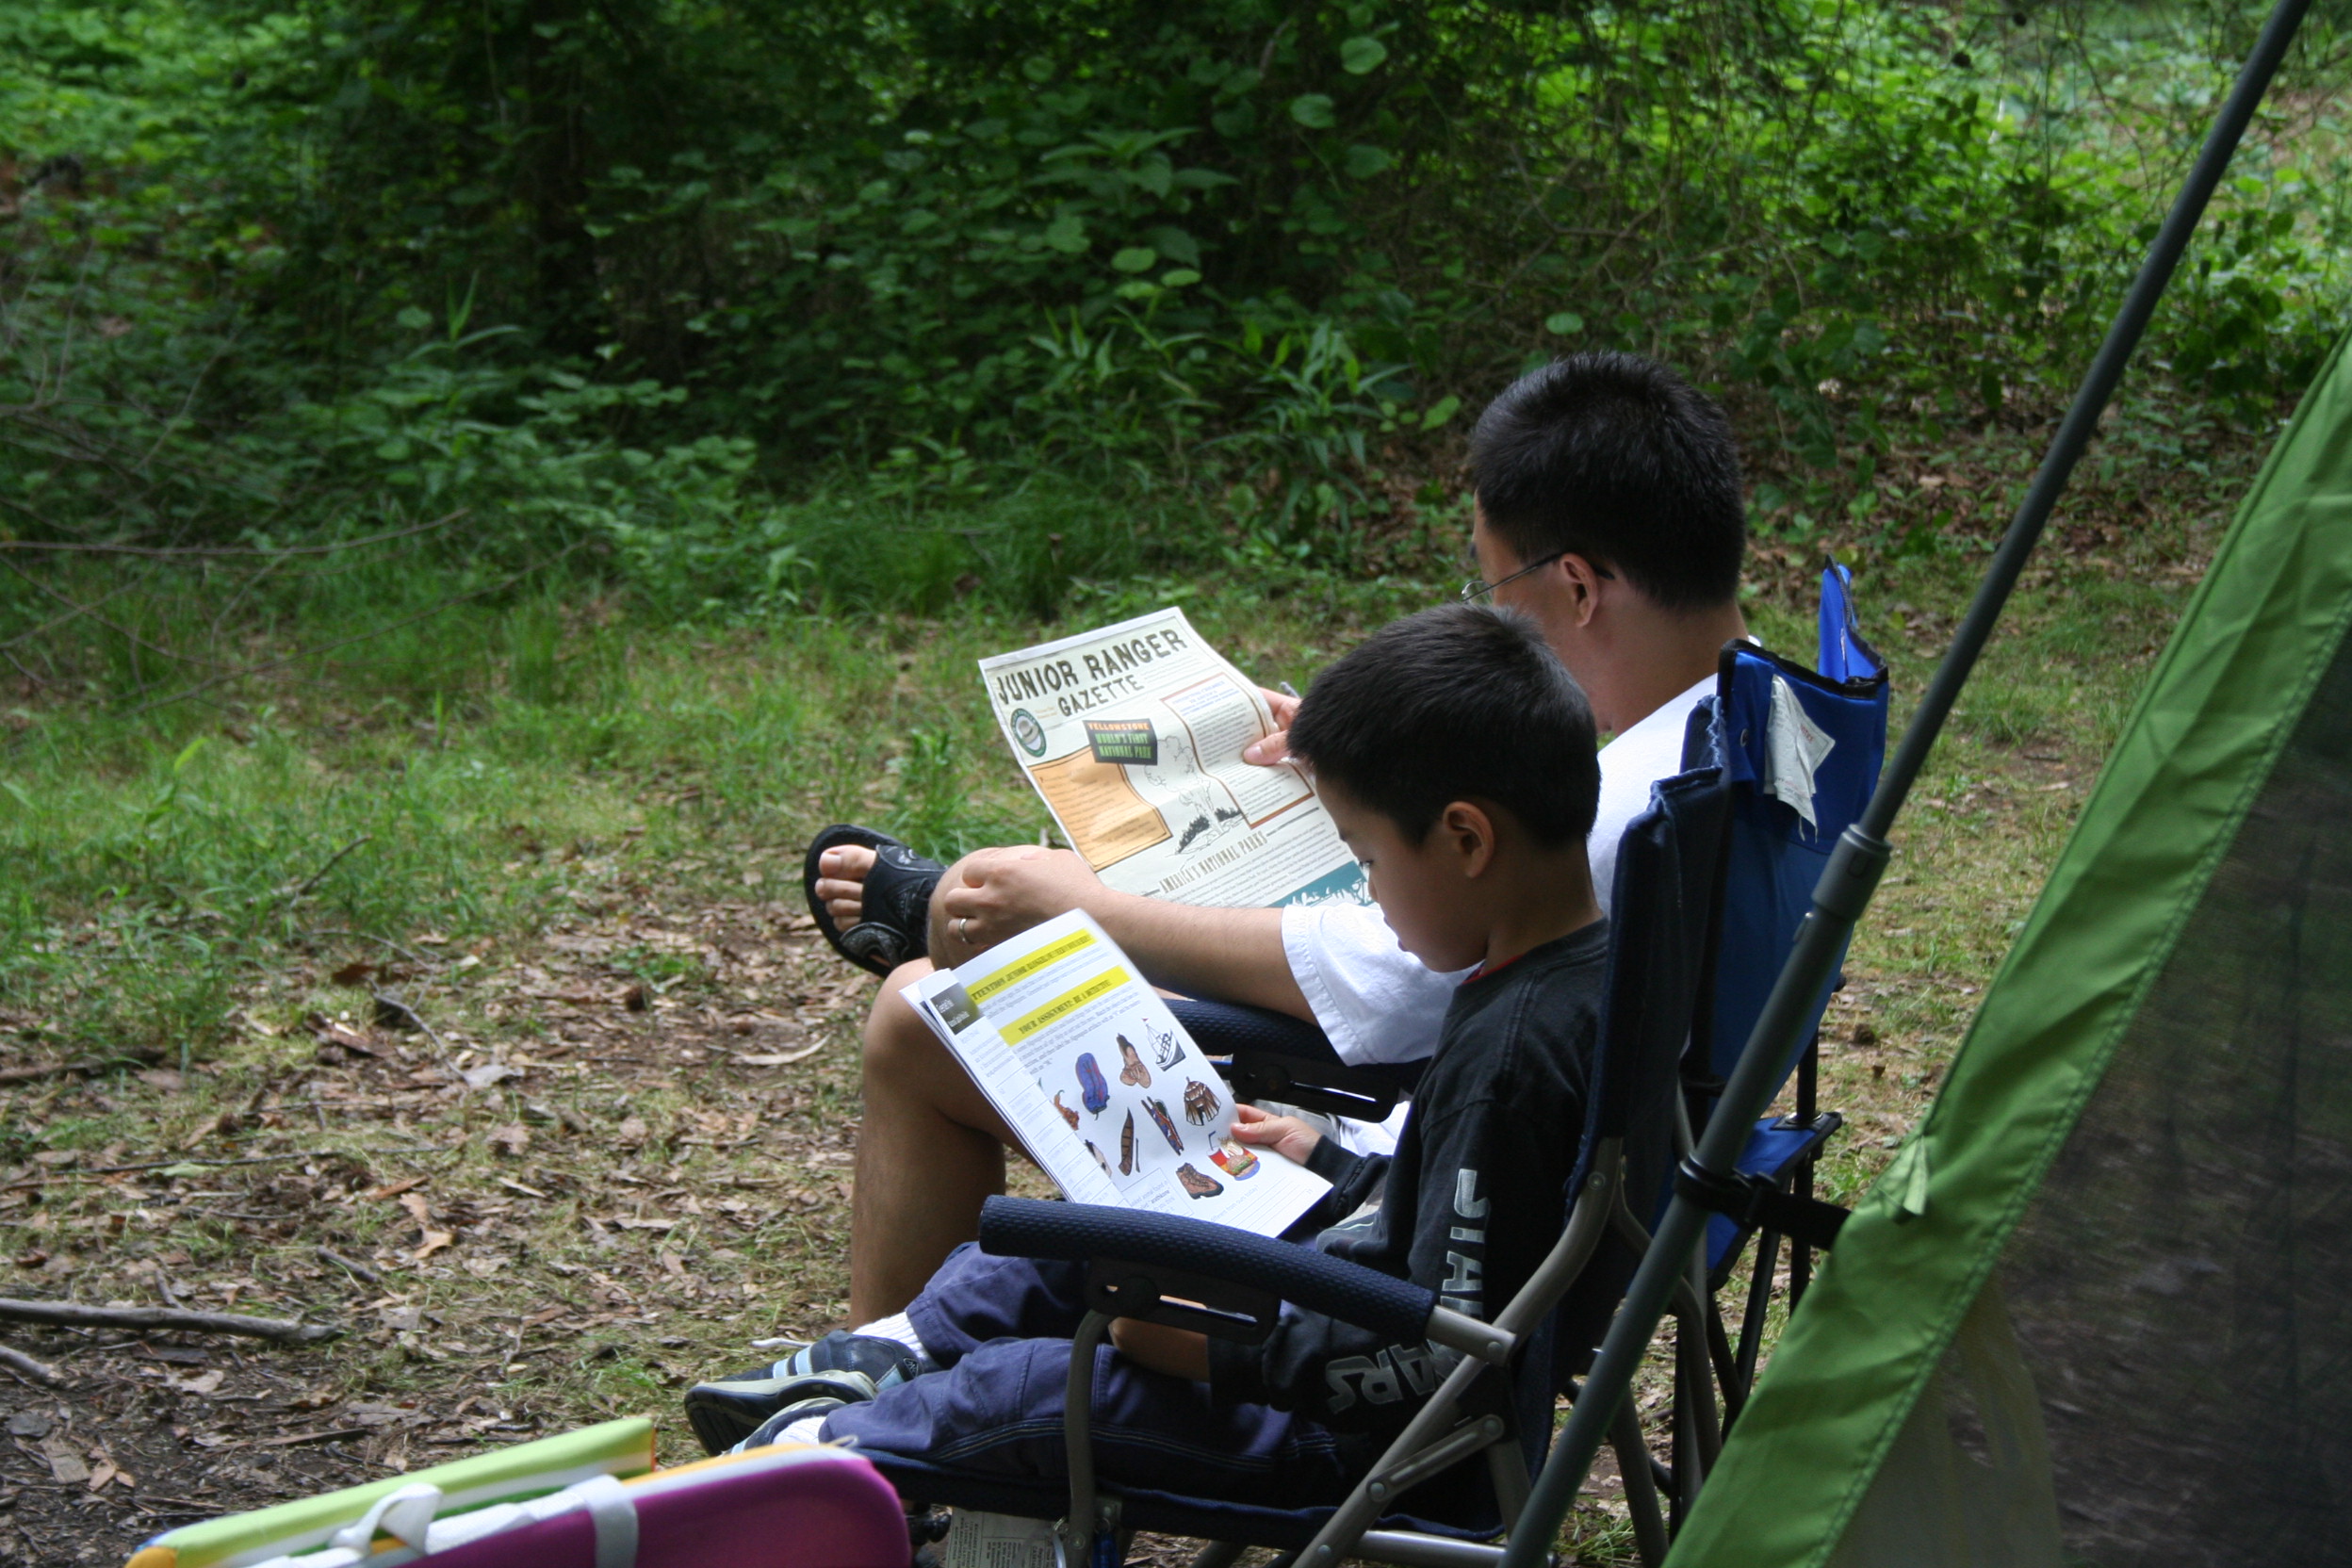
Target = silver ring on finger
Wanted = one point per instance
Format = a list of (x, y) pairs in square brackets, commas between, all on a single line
[(963, 926)]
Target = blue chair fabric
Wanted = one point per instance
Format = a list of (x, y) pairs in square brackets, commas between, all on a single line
[(1800, 752)]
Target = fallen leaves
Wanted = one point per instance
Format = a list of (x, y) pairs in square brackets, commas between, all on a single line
[(487, 1275), (784, 1058), (65, 1465), (431, 1240), (392, 1189)]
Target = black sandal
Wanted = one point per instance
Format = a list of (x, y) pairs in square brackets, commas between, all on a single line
[(896, 907)]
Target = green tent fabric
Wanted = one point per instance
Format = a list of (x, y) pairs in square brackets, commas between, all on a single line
[(2099, 1308)]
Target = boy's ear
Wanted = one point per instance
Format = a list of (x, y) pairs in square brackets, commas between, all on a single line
[(1468, 830)]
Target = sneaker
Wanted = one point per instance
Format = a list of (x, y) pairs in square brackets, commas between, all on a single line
[(726, 1409), (887, 1361), (774, 1428)]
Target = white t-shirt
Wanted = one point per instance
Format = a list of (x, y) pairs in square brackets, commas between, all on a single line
[(1373, 999)]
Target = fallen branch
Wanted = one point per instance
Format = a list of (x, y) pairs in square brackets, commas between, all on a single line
[(74, 1315), (367, 936), (166, 1165), (333, 1435), (25, 1367), (59, 1069), (393, 1013), (351, 1265), (333, 861)]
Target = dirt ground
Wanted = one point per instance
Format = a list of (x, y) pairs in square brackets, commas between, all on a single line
[(535, 1187), (540, 1189)]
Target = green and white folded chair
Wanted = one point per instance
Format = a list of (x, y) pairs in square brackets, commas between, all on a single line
[(586, 1499)]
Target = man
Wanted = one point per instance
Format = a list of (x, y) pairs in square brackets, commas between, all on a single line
[(1609, 510)]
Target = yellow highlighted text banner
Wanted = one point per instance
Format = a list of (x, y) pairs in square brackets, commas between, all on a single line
[(1063, 1004), (1013, 974)]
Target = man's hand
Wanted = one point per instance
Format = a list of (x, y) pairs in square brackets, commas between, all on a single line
[(1266, 750), (994, 893), (1286, 1135), (1178, 1353)]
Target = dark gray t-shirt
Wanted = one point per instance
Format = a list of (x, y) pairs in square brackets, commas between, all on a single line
[(1475, 1194)]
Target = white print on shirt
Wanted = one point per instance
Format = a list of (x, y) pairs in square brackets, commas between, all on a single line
[(1464, 1289), (1384, 1378)]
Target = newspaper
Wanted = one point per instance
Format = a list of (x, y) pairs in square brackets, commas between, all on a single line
[(1132, 736), (1101, 1084)]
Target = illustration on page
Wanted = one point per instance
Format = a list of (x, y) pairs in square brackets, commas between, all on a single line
[(1042, 1021)]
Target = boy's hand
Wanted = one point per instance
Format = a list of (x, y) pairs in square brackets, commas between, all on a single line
[(1286, 1135), (1269, 749), (1178, 1353)]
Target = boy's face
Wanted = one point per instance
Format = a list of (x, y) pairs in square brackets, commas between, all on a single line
[(1429, 892)]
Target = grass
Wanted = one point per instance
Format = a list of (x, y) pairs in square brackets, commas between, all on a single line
[(566, 837)]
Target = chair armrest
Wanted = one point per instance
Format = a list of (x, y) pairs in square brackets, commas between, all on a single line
[(1362, 1094), (1272, 1055), (1080, 1233)]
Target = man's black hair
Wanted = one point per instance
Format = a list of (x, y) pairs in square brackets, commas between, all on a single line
[(1457, 703), (1619, 460)]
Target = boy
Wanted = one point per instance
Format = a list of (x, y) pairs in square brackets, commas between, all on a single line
[(1457, 758)]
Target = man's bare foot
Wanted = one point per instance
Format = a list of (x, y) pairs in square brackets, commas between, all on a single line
[(869, 894), (841, 882)]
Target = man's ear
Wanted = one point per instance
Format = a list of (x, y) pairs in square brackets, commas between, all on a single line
[(1583, 582), (1468, 830)]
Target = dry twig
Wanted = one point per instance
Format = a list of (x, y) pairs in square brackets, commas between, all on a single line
[(59, 1069), (303, 886), (75, 1315), (351, 1265), (25, 1367), (165, 1164)]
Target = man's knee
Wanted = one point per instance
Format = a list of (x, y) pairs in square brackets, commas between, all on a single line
[(897, 1045)]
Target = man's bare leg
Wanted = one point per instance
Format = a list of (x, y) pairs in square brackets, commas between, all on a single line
[(930, 1150)]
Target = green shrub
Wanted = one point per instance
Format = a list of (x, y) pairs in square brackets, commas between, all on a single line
[(689, 284)]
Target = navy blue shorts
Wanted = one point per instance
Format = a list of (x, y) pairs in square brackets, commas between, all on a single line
[(1001, 1328)]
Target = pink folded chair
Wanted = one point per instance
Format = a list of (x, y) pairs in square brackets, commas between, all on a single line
[(784, 1506), (789, 1505)]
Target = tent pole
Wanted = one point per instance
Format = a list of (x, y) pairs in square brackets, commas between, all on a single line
[(1851, 875)]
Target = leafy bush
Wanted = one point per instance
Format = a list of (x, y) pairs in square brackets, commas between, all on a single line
[(692, 286)]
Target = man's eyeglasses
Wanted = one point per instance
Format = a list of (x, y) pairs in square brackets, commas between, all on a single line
[(1477, 588)]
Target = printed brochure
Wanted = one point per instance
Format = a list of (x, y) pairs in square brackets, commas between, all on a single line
[(1106, 1091)]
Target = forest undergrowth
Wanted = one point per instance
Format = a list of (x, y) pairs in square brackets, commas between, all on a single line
[(479, 485), (485, 1023)]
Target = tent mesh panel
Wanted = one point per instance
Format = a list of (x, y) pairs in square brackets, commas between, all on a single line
[(2181, 1285)]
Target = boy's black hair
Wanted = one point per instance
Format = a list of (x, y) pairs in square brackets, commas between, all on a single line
[(1457, 703), (1619, 460)]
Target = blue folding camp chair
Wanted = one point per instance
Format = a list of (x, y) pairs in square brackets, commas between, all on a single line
[(1418, 1505), (1801, 751)]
